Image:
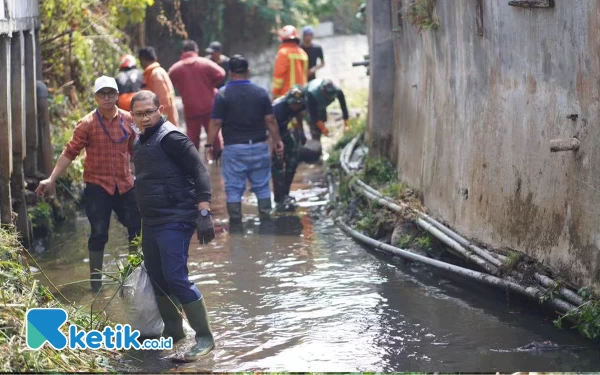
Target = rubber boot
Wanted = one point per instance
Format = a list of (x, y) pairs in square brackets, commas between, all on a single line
[(96, 261), (170, 312), (234, 210), (264, 209), (198, 318)]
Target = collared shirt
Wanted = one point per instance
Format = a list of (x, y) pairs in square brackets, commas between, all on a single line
[(106, 162), (242, 106)]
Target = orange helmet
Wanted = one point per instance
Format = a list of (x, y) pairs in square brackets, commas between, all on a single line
[(288, 32), (127, 61)]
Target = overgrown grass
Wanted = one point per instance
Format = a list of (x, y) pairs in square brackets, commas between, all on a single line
[(378, 172), (20, 291), (356, 126)]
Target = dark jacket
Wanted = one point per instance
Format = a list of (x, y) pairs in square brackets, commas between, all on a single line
[(164, 193)]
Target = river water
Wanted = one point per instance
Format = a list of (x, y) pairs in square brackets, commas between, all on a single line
[(308, 298)]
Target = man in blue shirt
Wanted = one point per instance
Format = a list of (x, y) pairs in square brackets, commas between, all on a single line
[(283, 169), (244, 111)]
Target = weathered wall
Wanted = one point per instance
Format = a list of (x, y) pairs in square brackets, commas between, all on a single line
[(383, 72), (473, 117)]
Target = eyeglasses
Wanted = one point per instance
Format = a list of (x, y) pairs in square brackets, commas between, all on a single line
[(104, 94), (148, 113)]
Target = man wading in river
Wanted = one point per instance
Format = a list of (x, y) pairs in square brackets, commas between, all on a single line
[(283, 169), (244, 111), (107, 136), (173, 193)]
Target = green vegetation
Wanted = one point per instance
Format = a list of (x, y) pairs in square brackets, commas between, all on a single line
[(420, 13), (42, 216), (424, 242), (19, 291), (586, 318), (396, 190), (378, 172), (551, 292), (405, 241), (213, 15), (82, 39), (512, 259), (356, 126), (134, 260)]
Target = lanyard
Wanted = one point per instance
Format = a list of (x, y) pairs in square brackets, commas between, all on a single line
[(125, 135)]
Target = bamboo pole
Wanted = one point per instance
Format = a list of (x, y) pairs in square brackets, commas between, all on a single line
[(445, 234), (530, 292)]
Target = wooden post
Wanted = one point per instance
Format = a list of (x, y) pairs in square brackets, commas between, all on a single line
[(45, 154), (31, 118), (5, 132), (17, 87), (38, 55)]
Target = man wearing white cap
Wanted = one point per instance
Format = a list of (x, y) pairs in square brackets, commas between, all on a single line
[(107, 136)]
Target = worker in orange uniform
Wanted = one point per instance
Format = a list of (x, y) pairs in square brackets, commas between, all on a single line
[(291, 63), (156, 79), (129, 81)]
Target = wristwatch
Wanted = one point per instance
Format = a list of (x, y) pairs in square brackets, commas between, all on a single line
[(205, 213), (208, 145)]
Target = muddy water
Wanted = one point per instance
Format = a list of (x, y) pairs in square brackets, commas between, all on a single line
[(307, 298)]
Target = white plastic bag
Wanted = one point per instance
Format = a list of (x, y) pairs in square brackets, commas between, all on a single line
[(141, 310)]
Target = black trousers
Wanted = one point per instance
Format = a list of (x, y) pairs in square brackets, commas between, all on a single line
[(99, 206)]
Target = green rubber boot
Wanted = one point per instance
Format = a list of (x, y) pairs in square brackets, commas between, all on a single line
[(96, 261), (198, 318), (170, 312)]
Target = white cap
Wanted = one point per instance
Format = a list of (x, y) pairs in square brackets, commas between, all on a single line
[(105, 82)]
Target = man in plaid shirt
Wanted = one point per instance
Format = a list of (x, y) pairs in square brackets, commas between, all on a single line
[(107, 136)]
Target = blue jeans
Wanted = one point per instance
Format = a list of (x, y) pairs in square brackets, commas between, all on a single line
[(246, 162), (165, 249)]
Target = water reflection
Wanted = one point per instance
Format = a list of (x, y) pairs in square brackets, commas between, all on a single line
[(298, 295)]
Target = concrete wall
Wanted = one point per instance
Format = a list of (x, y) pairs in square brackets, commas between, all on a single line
[(473, 116)]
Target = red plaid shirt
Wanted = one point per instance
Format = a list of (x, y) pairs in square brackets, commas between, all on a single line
[(106, 162)]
